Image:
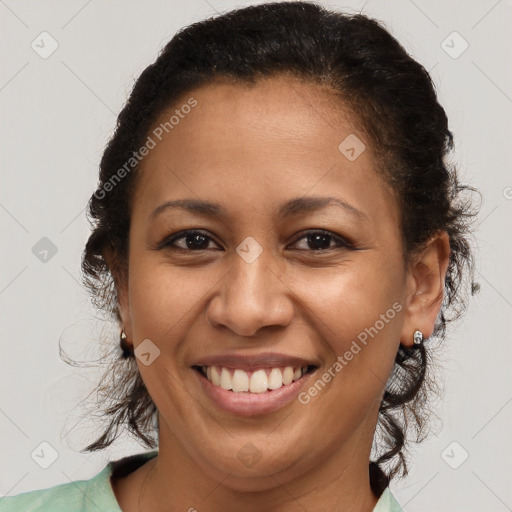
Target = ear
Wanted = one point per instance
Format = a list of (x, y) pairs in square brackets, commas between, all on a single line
[(425, 288), (121, 285)]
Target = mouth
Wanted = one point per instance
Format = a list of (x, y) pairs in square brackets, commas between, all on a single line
[(253, 386), (262, 380)]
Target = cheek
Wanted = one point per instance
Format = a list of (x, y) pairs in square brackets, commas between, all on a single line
[(358, 319), (345, 301), (162, 297), (356, 313)]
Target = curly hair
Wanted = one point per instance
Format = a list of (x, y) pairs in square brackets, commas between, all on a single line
[(393, 99)]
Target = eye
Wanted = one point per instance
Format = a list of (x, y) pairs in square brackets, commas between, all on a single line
[(320, 240), (193, 241)]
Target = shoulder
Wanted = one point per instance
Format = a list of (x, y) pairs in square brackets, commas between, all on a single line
[(387, 503), (64, 497), (78, 496)]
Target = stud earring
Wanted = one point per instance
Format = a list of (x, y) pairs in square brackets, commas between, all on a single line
[(127, 349), (417, 338)]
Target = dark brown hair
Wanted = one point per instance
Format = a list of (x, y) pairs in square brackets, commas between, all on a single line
[(393, 99)]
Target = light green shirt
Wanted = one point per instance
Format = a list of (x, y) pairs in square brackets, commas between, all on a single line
[(97, 495)]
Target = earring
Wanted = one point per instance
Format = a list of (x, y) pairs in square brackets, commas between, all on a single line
[(125, 347), (417, 338)]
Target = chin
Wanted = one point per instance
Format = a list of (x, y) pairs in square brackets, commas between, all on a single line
[(249, 471)]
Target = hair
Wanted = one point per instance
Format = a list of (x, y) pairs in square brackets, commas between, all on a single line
[(391, 97)]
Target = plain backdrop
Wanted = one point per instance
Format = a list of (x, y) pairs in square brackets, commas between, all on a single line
[(57, 114)]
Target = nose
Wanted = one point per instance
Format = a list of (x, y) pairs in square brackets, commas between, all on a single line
[(251, 296)]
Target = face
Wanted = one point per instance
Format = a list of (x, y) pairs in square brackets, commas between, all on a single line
[(263, 281)]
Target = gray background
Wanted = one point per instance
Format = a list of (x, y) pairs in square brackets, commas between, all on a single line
[(57, 114)]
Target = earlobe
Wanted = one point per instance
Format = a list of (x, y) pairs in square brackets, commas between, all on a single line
[(124, 313), (121, 292), (426, 280)]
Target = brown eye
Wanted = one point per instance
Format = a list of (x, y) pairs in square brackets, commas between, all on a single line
[(323, 240), (193, 241)]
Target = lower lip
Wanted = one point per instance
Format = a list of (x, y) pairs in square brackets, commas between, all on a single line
[(252, 404)]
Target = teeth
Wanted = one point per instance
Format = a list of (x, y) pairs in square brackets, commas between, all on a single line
[(225, 379), (215, 376), (288, 375), (259, 381), (275, 379), (240, 381)]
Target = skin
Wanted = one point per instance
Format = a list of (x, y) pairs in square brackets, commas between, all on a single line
[(251, 149)]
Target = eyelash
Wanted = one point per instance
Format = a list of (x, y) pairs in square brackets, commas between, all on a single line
[(169, 241)]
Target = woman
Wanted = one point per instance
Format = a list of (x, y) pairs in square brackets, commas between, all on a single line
[(278, 235)]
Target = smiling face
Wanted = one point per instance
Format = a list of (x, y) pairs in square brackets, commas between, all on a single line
[(255, 286)]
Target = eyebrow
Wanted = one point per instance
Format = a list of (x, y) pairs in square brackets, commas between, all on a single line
[(296, 206)]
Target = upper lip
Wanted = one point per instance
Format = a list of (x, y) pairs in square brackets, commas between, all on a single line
[(254, 361)]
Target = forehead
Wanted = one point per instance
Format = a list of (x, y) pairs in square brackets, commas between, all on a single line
[(280, 137)]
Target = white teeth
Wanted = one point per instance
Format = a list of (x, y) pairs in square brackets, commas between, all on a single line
[(215, 376), (288, 375), (225, 379), (259, 381), (275, 379), (240, 381)]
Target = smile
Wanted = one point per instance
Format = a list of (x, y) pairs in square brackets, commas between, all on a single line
[(252, 392), (259, 381)]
